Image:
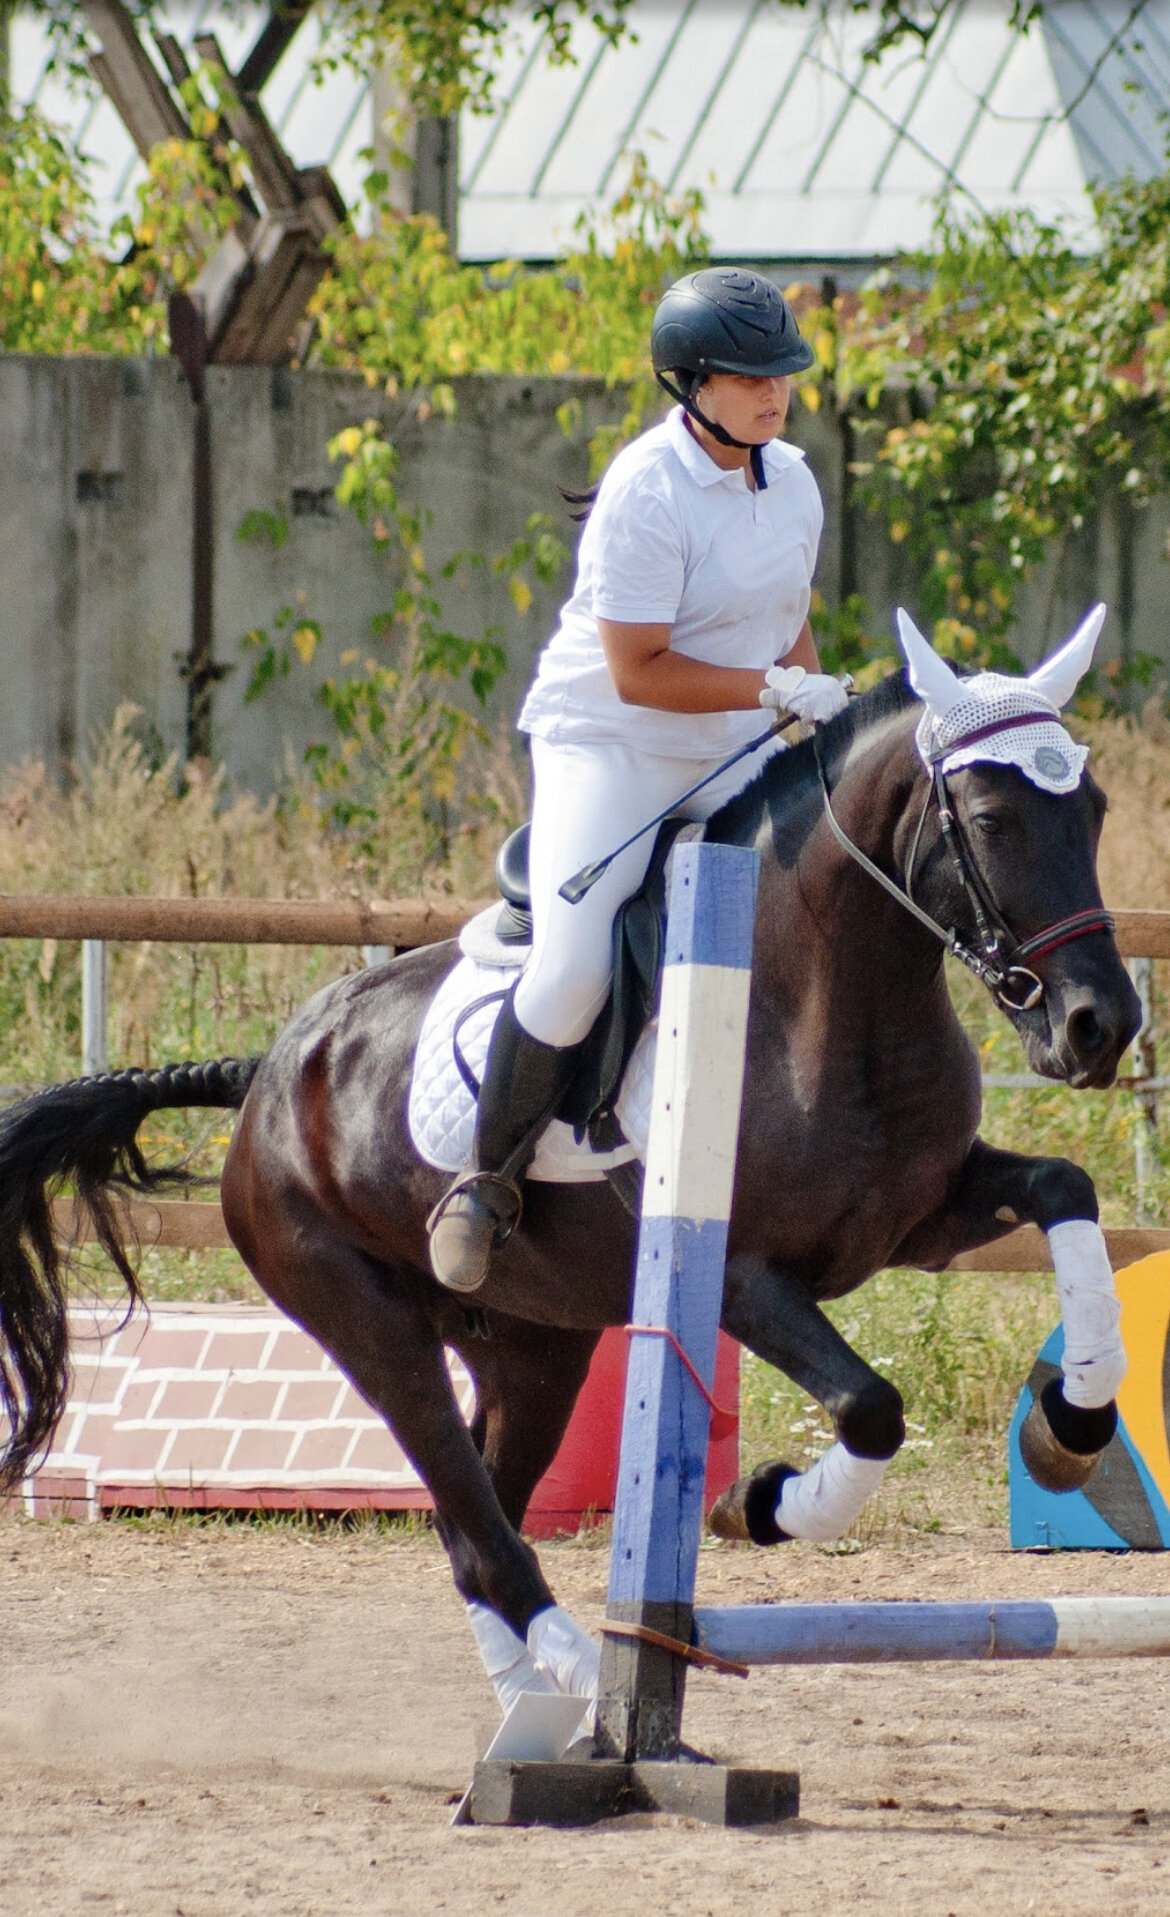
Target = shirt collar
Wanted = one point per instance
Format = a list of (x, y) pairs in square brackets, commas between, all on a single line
[(778, 454)]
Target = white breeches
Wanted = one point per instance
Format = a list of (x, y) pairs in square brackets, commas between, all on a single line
[(587, 799)]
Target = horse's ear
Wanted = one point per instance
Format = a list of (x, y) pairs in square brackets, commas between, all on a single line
[(1058, 678), (930, 676)]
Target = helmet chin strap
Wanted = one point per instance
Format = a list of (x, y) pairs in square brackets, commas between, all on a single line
[(689, 405)]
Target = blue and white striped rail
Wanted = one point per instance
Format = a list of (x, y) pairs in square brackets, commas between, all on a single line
[(678, 1287), (914, 1633)]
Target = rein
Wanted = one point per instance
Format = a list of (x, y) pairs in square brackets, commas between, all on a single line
[(1012, 983)]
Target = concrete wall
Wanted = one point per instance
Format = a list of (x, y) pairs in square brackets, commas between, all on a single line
[(95, 540)]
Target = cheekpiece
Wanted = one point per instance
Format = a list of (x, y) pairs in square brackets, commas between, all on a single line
[(1002, 721)]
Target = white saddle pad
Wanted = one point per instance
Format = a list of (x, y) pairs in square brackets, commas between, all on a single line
[(442, 1111)]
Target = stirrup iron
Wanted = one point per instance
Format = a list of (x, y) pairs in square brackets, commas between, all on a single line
[(500, 1196)]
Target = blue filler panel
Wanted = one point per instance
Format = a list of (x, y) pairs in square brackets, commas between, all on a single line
[(1122, 1508)]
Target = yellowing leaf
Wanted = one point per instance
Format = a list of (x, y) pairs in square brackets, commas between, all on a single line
[(521, 592), (811, 396), (305, 641)]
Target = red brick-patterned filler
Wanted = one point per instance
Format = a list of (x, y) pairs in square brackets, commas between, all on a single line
[(231, 1407), (217, 1407)]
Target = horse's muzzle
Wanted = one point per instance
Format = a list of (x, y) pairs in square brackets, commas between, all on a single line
[(1082, 1030)]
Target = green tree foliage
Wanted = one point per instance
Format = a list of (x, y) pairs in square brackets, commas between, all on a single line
[(60, 291), (1032, 379), (401, 309), (397, 731)]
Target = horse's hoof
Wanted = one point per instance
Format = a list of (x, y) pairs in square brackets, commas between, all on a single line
[(746, 1514), (1062, 1444)]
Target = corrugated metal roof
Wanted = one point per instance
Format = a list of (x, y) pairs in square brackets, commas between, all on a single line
[(802, 149)]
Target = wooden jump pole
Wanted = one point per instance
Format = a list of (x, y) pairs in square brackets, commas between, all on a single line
[(397, 923), (934, 1633)]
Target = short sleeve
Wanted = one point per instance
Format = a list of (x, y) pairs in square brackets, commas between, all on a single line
[(638, 570)]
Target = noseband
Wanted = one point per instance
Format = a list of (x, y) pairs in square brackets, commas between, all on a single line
[(1000, 960)]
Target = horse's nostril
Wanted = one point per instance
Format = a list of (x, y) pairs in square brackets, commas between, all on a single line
[(1085, 1032)]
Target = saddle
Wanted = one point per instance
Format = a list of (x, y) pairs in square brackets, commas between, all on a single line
[(638, 942)]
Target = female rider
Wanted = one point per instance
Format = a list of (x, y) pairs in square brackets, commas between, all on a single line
[(693, 582)]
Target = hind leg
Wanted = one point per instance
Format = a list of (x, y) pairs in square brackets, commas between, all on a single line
[(527, 1381), (376, 1325)]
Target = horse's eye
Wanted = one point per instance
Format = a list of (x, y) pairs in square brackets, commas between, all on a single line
[(987, 824)]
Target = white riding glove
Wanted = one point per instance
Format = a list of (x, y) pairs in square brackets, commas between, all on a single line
[(812, 696)]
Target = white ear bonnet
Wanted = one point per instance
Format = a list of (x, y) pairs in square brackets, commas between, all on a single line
[(962, 717)]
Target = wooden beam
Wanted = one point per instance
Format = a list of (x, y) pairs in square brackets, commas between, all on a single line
[(1027, 1250), (267, 301), (276, 36), (131, 78), (398, 923), (273, 171), (174, 59), (185, 1224), (1143, 934), (198, 1225)]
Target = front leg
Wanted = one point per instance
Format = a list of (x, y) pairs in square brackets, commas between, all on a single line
[(1075, 1416), (772, 1313)]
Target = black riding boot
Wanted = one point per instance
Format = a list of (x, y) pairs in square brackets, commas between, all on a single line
[(523, 1083)]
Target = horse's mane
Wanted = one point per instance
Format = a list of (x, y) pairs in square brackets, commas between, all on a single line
[(788, 777)]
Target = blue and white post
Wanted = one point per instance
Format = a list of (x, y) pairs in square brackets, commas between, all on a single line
[(682, 1248)]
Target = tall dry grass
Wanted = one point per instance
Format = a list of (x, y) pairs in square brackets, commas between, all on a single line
[(1131, 759), (122, 824)]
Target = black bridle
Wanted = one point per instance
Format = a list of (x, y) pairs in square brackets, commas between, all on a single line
[(1000, 961)]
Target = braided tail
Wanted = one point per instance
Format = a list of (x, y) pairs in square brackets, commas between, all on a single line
[(84, 1134)]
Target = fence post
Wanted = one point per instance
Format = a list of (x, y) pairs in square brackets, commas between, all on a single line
[(678, 1289), (1145, 1066), (93, 1006)]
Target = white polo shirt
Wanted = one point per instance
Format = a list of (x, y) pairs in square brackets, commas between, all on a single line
[(675, 540)]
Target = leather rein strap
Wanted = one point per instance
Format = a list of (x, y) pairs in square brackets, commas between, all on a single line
[(693, 1653), (1011, 982)]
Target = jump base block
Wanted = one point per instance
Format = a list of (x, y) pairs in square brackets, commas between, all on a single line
[(570, 1794)]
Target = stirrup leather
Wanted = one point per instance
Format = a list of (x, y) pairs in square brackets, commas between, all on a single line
[(500, 1197)]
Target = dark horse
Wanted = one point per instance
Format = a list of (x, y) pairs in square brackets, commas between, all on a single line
[(859, 1145)]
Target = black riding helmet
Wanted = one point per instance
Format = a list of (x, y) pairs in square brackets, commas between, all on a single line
[(723, 320)]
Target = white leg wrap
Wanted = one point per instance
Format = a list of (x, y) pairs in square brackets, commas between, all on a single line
[(824, 1500), (1094, 1357), (506, 1658), (564, 1652)]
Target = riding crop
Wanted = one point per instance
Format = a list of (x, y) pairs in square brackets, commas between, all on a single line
[(574, 889)]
